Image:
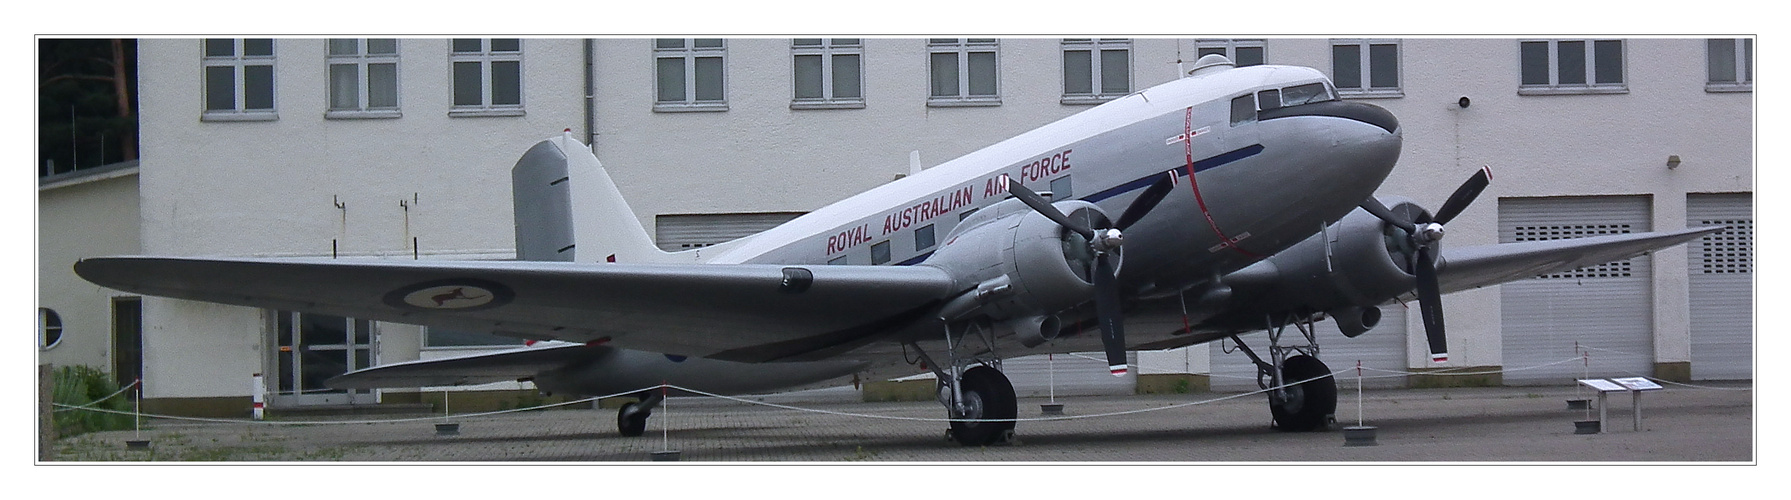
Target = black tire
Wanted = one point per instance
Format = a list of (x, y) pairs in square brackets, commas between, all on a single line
[(987, 395), (632, 423), (1309, 405)]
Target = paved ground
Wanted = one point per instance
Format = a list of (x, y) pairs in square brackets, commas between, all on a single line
[(1521, 424)]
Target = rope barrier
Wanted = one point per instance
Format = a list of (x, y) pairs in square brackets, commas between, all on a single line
[(1334, 374), (88, 406)]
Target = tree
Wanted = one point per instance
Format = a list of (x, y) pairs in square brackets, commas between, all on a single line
[(86, 103)]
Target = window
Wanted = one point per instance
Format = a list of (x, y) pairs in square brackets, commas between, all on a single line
[(1096, 70), (1731, 64), (1571, 67), (1241, 52), (363, 78), (49, 328), (923, 238), (487, 77), (837, 261), (880, 253), (1060, 188), (1366, 68), (689, 74), (239, 79), (963, 72), (829, 73), (1243, 109)]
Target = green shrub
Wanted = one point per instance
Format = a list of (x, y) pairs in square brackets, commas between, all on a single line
[(82, 386)]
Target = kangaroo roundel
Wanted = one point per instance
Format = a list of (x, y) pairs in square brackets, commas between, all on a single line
[(454, 294)]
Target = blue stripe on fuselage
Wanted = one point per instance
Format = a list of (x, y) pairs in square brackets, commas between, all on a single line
[(1180, 171)]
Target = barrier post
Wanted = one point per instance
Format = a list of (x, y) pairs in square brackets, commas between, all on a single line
[(258, 396)]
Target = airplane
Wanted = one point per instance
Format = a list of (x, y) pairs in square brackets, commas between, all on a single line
[(1229, 201)]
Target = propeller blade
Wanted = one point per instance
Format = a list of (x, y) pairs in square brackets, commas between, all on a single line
[(1107, 309), (1043, 207), (1146, 201), (1464, 196), (1374, 206), (1430, 305)]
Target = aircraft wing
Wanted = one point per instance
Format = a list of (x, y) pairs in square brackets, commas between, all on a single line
[(748, 313), (1475, 267), (503, 366)]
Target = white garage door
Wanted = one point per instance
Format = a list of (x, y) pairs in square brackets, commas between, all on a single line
[(1606, 308), (1077, 374), (1722, 287), (677, 232), (1382, 348)]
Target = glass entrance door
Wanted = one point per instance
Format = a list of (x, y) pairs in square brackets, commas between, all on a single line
[(314, 347)]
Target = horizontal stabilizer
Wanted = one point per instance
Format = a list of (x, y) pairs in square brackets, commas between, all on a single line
[(1475, 267)]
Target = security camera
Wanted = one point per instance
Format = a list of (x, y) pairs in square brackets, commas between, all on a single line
[(1463, 102)]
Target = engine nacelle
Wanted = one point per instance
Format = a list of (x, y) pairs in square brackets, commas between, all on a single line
[(1025, 267), (1345, 271)]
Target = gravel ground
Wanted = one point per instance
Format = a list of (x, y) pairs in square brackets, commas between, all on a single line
[(1472, 425)]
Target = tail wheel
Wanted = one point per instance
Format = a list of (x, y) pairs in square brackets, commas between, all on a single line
[(987, 396), (1308, 405), (631, 422)]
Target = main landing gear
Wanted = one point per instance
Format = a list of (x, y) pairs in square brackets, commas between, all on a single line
[(1311, 403), (979, 399)]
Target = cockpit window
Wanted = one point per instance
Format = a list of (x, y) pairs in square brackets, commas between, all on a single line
[(1308, 93), (1268, 99), (1243, 109)]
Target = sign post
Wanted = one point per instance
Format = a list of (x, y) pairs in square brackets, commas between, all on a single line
[(1636, 386)]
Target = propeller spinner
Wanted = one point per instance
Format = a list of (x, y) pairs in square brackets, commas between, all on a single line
[(1102, 242), (1422, 234)]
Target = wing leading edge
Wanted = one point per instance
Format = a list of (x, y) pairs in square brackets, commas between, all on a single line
[(749, 313)]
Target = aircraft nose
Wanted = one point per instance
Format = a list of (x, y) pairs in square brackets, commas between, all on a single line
[(1358, 111)]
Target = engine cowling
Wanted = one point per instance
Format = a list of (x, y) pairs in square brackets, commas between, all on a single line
[(1025, 267), (1350, 268)]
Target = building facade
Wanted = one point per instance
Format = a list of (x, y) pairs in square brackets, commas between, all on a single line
[(401, 149)]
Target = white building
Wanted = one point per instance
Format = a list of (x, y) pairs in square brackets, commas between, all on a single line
[(402, 149)]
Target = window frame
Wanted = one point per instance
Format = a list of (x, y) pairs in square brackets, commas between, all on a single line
[(45, 318), (1229, 48), (1589, 61), (688, 52), (239, 61), (828, 49), (1366, 64), (1743, 54), (1095, 46), (362, 59), (487, 57), (963, 48)]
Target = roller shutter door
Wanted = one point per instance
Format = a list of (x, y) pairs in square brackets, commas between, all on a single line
[(1382, 348), (1607, 307), (1722, 287), (686, 231)]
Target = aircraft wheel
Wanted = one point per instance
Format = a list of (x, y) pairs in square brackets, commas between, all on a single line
[(987, 395), (1310, 405), (632, 423)]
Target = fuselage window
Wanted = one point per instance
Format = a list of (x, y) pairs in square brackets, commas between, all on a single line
[(1243, 109), (923, 238), (880, 253), (1302, 94), (1060, 188), (837, 261), (1269, 99)]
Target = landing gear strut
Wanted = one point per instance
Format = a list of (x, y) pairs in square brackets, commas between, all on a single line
[(1311, 403), (979, 400), (631, 420)]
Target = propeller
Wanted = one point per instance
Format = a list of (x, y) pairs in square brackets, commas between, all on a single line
[(1422, 234), (1102, 242)]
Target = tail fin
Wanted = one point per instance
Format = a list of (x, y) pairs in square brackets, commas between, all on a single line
[(567, 209)]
